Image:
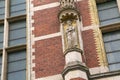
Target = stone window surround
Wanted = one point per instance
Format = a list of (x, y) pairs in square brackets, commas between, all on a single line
[(111, 27)]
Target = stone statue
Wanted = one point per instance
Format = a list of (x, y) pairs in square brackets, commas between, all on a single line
[(71, 35)]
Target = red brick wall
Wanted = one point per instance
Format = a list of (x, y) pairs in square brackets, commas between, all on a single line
[(84, 12), (90, 48), (42, 2), (46, 22), (49, 59), (88, 36), (77, 79), (82, 7)]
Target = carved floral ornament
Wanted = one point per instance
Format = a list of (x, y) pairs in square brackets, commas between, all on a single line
[(67, 4)]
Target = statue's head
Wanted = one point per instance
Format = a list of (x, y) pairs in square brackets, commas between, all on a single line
[(69, 22)]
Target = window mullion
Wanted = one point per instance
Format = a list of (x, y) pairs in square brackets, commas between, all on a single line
[(5, 42), (118, 3), (6, 24), (4, 65)]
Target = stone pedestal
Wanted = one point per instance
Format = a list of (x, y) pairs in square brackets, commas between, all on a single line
[(74, 69)]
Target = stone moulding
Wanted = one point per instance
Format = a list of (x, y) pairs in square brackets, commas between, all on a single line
[(73, 49), (68, 14), (75, 66)]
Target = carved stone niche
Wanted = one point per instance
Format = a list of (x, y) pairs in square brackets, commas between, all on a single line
[(69, 26)]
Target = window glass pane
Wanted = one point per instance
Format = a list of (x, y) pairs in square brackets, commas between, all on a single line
[(0, 65), (1, 36), (108, 7), (20, 34), (111, 21), (112, 47), (115, 35), (20, 75), (17, 42), (18, 13), (104, 14), (112, 41), (17, 7), (14, 2), (105, 5), (17, 56), (19, 24), (17, 65), (113, 57), (1, 45), (2, 9), (114, 67), (17, 33)]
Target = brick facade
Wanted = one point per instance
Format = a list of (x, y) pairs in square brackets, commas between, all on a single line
[(83, 8), (42, 2), (49, 59), (46, 22), (90, 48), (48, 53)]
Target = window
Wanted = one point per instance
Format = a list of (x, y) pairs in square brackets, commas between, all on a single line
[(108, 13), (16, 65), (13, 37), (17, 7), (109, 16), (112, 46), (17, 33)]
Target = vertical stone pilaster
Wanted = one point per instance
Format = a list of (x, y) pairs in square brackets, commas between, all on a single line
[(101, 57)]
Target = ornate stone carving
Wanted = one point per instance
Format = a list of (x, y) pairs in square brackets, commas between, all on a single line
[(70, 27), (71, 35), (67, 4), (69, 17)]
